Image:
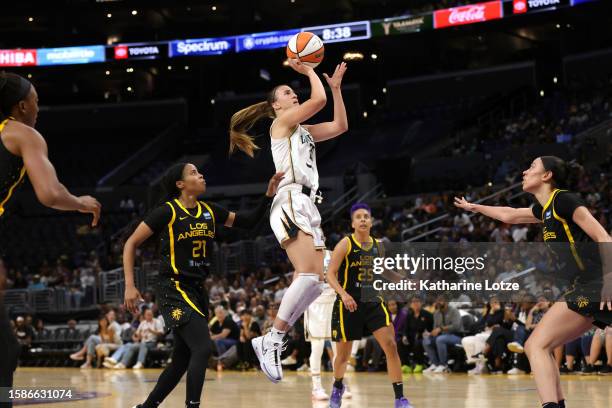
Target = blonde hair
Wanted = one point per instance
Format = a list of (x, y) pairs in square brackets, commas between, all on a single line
[(243, 120)]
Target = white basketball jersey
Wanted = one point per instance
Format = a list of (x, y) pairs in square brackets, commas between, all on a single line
[(297, 158)]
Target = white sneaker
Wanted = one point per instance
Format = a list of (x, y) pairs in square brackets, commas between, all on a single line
[(516, 347), (515, 371), (110, 360), (430, 369), (269, 356), (119, 366), (441, 369), (318, 394), (289, 361), (109, 364), (347, 392), (138, 366), (479, 369), (303, 368)]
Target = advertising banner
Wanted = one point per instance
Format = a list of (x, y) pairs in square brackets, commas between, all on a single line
[(17, 58), (401, 25), (264, 41), (71, 55), (202, 46), (474, 13)]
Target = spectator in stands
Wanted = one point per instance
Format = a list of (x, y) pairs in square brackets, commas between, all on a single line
[(105, 348), (447, 326), (148, 303), (24, 334), (600, 338), (260, 316), (418, 322), (105, 334), (148, 334), (36, 283), (39, 329), (249, 329), (492, 316), (573, 349), (225, 333)]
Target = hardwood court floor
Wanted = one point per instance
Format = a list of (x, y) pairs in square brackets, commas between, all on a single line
[(125, 388)]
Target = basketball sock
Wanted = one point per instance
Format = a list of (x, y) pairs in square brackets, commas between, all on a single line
[(562, 403), (338, 383), (550, 405), (276, 335), (317, 347), (398, 389)]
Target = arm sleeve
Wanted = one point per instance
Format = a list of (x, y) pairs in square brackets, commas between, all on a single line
[(566, 203), (536, 209), (159, 218), (219, 212), (250, 218)]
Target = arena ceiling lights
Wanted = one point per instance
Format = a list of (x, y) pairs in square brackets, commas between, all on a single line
[(352, 31)]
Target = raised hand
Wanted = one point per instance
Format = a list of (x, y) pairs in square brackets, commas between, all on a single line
[(335, 81)]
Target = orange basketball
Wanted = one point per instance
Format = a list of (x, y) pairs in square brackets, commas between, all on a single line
[(307, 48)]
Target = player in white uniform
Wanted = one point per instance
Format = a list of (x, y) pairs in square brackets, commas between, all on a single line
[(294, 217)]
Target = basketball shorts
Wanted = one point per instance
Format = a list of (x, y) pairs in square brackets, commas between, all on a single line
[(293, 211), (318, 316), (349, 326), (179, 300), (585, 299)]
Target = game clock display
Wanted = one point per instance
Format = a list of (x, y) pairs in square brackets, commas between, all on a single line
[(358, 30)]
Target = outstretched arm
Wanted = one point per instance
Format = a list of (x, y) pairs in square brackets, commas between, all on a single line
[(508, 215), (49, 191), (328, 130), (249, 219)]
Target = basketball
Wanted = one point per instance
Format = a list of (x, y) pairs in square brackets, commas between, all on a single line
[(307, 48)]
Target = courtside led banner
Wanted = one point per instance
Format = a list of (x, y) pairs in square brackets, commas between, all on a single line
[(401, 25), (70, 55), (139, 51), (576, 2), (203, 46), (475, 13), (17, 58), (264, 41), (525, 6)]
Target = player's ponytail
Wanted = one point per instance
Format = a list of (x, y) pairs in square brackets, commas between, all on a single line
[(13, 88), (243, 120), (168, 182), (565, 174)]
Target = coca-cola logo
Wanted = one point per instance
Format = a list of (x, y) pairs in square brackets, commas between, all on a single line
[(475, 13), (468, 14), (520, 6)]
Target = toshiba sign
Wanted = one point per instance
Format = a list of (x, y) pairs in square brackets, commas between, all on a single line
[(474, 13), (17, 58)]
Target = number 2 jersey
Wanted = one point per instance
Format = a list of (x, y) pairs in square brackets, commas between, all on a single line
[(356, 271), (185, 236)]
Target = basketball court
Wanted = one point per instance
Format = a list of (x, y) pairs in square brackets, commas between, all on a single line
[(125, 388)]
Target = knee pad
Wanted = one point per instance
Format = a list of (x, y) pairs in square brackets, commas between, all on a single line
[(301, 293)]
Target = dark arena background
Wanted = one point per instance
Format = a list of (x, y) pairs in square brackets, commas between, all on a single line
[(441, 102)]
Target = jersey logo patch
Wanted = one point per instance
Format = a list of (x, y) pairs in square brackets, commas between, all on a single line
[(582, 302), (548, 214), (207, 216), (177, 314)]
